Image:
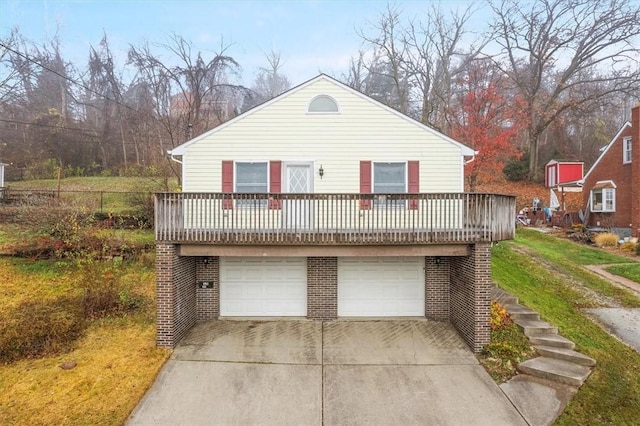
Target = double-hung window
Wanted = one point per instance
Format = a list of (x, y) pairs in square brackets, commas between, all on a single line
[(389, 178), (252, 178), (626, 150)]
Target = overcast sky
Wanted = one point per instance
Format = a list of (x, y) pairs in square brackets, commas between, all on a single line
[(312, 36)]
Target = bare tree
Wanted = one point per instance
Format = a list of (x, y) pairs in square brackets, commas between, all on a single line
[(422, 57), (270, 81), (553, 49), (389, 57), (190, 97)]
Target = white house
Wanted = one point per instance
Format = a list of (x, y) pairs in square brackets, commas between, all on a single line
[(324, 203)]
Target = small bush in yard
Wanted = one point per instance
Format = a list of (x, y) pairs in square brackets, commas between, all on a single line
[(39, 328), (508, 347), (629, 247), (606, 239), (103, 290), (500, 318)]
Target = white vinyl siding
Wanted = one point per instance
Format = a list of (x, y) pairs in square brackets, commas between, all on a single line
[(626, 150), (363, 130)]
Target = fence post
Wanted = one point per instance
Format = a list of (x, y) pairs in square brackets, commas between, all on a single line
[(101, 201)]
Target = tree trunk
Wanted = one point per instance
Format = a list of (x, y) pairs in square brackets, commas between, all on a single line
[(124, 149)]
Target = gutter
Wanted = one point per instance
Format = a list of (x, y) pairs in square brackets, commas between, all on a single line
[(172, 157)]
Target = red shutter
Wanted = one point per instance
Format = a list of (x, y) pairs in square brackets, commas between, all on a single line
[(413, 182), (365, 183), (275, 183), (227, 184)]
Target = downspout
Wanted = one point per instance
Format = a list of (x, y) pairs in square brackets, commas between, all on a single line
[(173, 157)]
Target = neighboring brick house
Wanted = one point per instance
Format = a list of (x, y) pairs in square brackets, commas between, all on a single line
[(612, 184), (324, 203)]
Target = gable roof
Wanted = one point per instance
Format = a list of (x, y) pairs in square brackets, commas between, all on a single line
[(180, 150), (606, 149)]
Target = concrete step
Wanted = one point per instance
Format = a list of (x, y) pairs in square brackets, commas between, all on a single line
[(566, 355), (555, 370), (535, 327), (519, 312), (503, 297), (551, 340)]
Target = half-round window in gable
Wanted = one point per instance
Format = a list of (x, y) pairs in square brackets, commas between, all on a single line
[(323, 103)]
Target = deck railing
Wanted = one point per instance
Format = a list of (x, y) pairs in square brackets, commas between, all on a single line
[(323, 219)]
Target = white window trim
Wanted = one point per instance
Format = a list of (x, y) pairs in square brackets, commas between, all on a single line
[(626, 141), (323, 112), (243, 203), (604, 208), (406, 174), (381, 201)]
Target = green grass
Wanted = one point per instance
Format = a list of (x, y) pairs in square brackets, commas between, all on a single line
[(631, 272), (611, 395), (570, 257), (564, 251)]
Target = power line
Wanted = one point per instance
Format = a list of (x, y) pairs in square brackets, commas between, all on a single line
[(85, 131), (28, 58), (44, 125)]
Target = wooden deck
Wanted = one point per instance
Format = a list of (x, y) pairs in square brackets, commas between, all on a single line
[(333, 219)]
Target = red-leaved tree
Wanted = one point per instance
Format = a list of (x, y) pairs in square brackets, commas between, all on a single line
[(487, 119)]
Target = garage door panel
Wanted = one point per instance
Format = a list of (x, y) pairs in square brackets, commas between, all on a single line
[(385, 286), (263, 287)]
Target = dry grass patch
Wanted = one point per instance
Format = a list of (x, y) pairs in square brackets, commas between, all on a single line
[(116, 358), (606, 239), (116, 363)]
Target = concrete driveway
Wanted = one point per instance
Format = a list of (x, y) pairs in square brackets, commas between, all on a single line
[(302, 372)]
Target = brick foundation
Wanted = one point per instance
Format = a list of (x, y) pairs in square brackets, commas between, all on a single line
[(457, 289), (471, 295), (322, 288), (208, 299), (436, 288), (176, 294)]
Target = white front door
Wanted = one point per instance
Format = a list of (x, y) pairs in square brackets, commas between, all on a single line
[(381, 286), (263, 286), (298, 213)]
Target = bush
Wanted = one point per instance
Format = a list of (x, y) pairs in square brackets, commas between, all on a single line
[(638, 248), (517, 169), (606, 239), (500, 318), (103, 290), (39, 328), (629, 247)]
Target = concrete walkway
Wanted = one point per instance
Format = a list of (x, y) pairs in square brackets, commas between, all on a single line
[(625, 282), (302, 372)]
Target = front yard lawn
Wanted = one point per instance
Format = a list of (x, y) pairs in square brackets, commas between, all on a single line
[(548, 278), (116, 358), (631, 272)]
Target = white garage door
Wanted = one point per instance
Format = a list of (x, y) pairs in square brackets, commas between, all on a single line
[(380, 286), (258, 286)]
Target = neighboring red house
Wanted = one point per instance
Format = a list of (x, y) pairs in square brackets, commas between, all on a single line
[(557, 173), (612, 185)]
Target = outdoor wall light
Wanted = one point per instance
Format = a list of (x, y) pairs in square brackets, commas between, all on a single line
[(205, 260), (321, 171), (438, 260)]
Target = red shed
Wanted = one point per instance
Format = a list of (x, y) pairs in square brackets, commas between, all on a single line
[(561, 172)]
